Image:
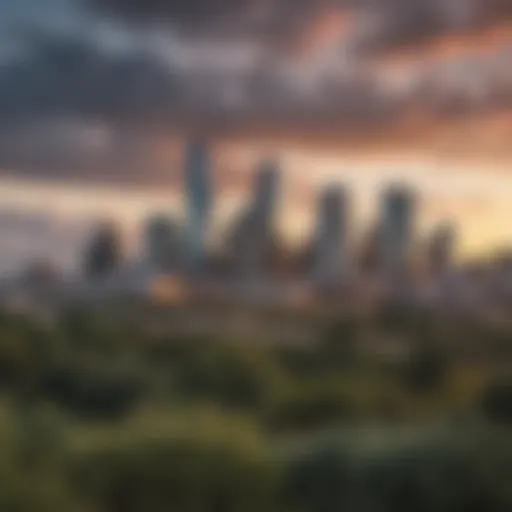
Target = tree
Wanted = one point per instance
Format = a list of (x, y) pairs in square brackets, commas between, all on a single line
[(497, 402)]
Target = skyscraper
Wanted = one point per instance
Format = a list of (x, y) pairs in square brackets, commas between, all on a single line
[(266, 186), (162, 244), (254, 234), (104, 253), (441, 248), (397, 229), (199, 199), (331, 255)]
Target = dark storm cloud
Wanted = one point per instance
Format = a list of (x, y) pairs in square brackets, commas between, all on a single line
[(74, 76), (187, 12), (62, 76), (260, 18), (71, 76)]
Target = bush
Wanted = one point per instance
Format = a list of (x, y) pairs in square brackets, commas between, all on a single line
[(427, 369), (310, 408), (92, 392), (497, 402), (239, 377), (319, 478), (400, 473), (196, 464), (338, 346)]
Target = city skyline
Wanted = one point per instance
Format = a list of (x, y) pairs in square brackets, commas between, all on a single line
[(477, 201), (253, 235), (95, 95), (256, 255), (173, 255)]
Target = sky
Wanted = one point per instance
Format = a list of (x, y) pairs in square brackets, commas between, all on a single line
[(283, 65), (360, 92)]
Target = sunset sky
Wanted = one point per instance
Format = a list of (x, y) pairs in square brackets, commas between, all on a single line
[(99, 92)]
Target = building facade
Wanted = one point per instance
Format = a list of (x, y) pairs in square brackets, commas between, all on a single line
[(332, 250), (397, 229), (254, 234), (199, 204), (162, 243)]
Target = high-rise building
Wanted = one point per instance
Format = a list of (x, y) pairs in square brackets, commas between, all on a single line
[(162, 244), (397, 229), (199, 202), (104, 255), (266, 185), (254, 234), (441, 248), (332, 251)]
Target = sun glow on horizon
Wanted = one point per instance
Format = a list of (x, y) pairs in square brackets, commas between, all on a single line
[(475, 196)]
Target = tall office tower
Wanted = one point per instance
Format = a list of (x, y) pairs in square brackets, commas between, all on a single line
[(263, 212), (199, 199), (332, 251), (253, 237), (266, 186), (103, 255), (260, 225), (441, 248), (397, 229), (162, 244)]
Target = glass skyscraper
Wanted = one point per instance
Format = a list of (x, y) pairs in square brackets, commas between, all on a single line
[(331, 239), (265, 192), (199, 202), (252, 239), (397, 229)]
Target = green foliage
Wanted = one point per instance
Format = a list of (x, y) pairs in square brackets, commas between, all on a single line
[(97, 416), (92, 392), (232, 376), (193, 463), (427, 369), (310, 407), (319, 478), (428, 472), (497, 402), (339, 344)]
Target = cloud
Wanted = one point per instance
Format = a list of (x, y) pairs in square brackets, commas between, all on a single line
[(273, 20), (377, 24), (64, 76), (384, 24), (72, 76), (185, 80)]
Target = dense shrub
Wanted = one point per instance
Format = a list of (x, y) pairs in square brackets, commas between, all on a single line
[(241, 377), (127, 437), (310, 408), (497, 402), (319, 478), (92, 392), (427, 368), (193, 464), (399, 473)]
